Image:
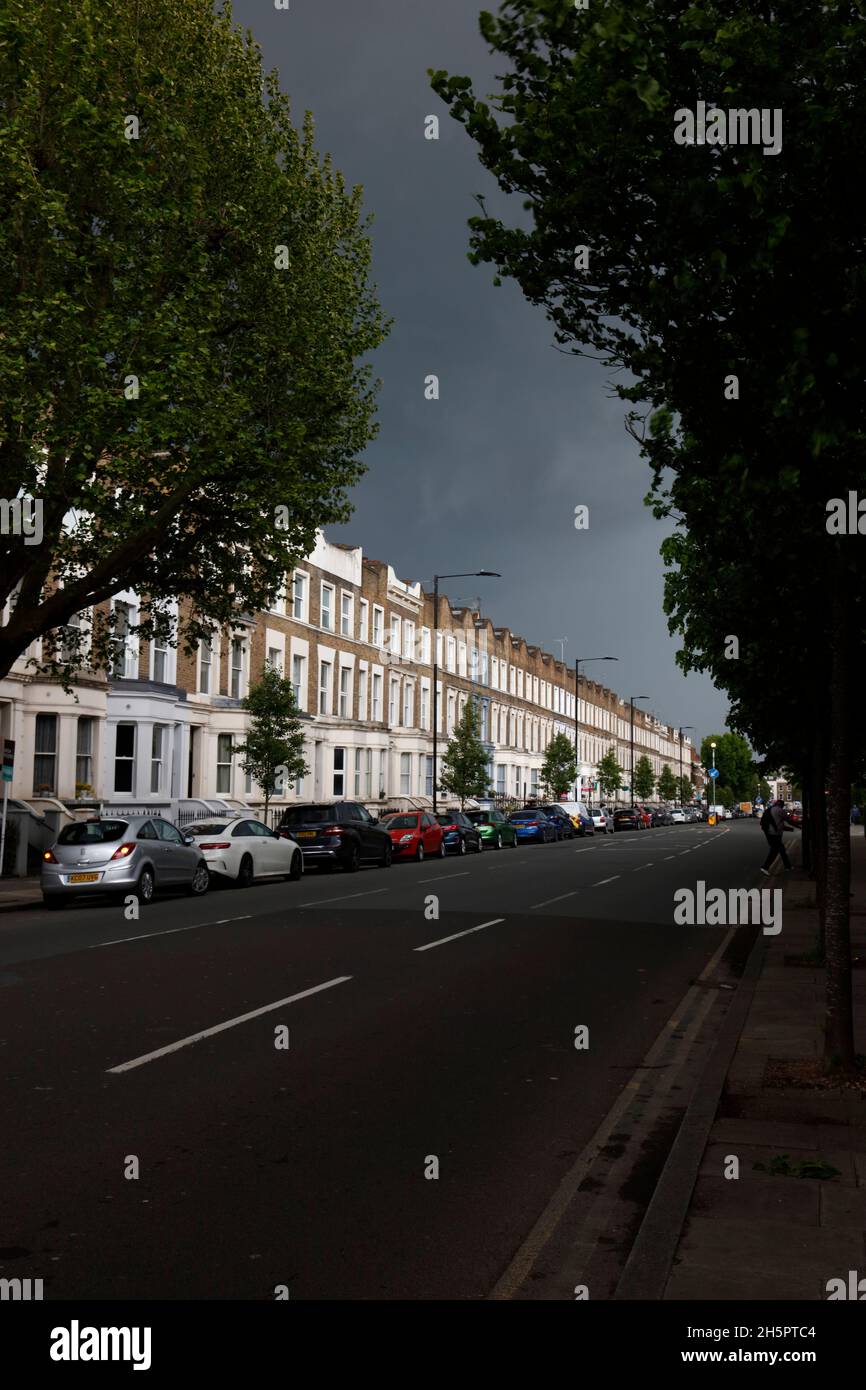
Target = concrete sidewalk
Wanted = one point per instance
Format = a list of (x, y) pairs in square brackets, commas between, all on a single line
[(760, 1236)]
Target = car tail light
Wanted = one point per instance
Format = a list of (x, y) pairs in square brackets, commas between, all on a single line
[(217, 844), (451, 827), (49, 858), (123, 851)]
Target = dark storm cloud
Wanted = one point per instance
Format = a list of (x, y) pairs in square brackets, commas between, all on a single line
[(489, 475)]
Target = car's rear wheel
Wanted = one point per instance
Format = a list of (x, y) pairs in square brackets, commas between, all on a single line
[(442, 850), (462, 849), (246, 873), (419, 854), (146, 886), (353, 863), (387, 856), (498, 841), (297, 868), (200, 880)]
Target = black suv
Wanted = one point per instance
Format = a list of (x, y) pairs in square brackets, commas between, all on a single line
[(337, 832)]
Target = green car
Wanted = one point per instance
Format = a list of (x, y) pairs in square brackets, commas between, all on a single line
[(494, 828)]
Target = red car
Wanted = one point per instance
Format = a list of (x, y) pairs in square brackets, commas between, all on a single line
[(414, 835), (645, 816)]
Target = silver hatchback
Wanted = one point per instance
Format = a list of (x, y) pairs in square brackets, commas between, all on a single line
[(119, 855)]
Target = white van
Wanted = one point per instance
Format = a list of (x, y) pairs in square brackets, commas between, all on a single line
[(578, 810)]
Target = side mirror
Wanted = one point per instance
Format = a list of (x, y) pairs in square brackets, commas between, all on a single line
[(375, 820), (189, 839)]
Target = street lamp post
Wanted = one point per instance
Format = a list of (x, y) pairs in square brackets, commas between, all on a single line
[(581, 661), (470, 574), (713, 780), (682, 727), (631, 775)]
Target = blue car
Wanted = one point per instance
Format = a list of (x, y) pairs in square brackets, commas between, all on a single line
[(533, 825)]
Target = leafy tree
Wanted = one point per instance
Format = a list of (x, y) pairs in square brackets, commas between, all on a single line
[(668, 261), (464, 769), (734, 761), (685, 790), (181, 394), (763, 789), (644, 778), (667, 784), (610, 774), (273, 753), (559, 768)]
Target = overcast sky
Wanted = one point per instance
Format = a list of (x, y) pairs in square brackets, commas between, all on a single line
[(488, 476)]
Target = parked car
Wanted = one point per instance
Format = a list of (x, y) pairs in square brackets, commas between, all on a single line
[(459, 832), (646, 817), (627, 818), (678, 816), (533, 825), (602, 820), (494, 828), (337, 833), (660, 815), (580, 816), (414, 834), (563, 824), (121, 855), (242, 849)]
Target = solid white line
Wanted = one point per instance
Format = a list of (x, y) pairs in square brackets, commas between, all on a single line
[(345, 896), (439, 877), (231, 1023), (604, 880), (586, 849), (443, 939), (148, 935), (553, 900)]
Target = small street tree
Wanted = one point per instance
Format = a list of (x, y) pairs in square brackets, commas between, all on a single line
[(273, 754), (644, 778), (610, 774), (464, 771), (559, 768), (686, 790), (667, 784)]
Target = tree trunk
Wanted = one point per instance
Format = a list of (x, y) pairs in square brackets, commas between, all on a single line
[(839, 1020), (818, 826)]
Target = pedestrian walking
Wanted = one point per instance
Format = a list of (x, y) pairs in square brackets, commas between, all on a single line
[(855, 814), (774, 821)]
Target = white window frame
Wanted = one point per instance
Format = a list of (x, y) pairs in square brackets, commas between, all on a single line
[(330, 589), (363, 620), (347, 618), (304, 603)]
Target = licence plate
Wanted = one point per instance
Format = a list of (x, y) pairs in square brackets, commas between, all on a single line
[(84, 878), (305, 834)]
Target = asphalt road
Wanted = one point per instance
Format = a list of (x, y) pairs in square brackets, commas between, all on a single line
[(412, 1042)]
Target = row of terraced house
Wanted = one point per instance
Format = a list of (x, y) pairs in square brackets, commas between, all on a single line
[(357, 644)]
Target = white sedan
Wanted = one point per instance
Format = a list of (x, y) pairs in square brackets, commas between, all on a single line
[(678, 817), (243, 849)]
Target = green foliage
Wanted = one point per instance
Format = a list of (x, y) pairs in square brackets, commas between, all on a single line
[(155, 258), (685, 790), (273, 753), (464, 767), (644, 778), (782, 1165), (734, 761), (559, 769), (667, 784), (610, 774)]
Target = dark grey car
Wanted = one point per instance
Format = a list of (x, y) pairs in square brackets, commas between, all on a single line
[(121, 855)]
